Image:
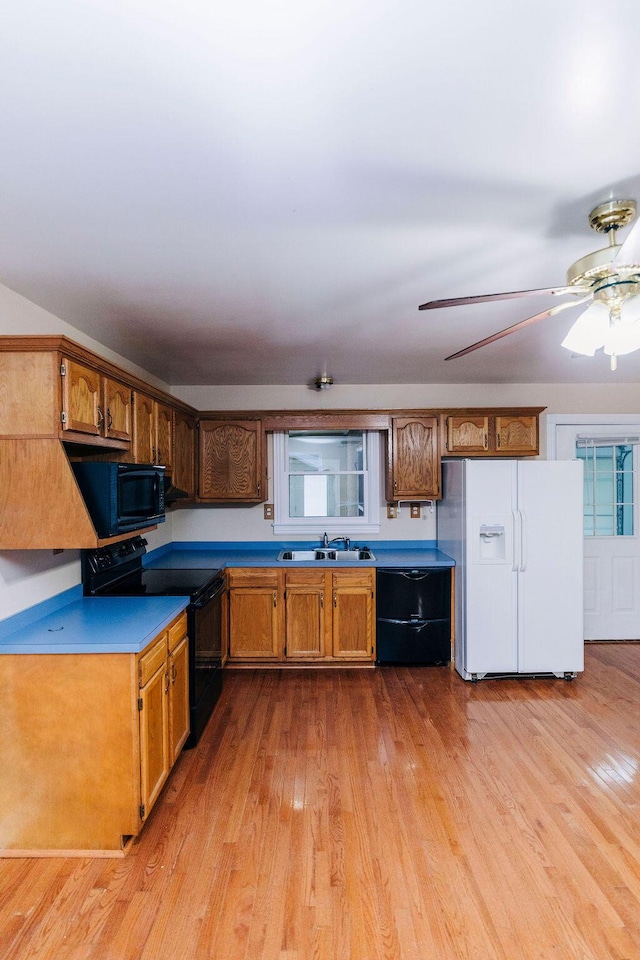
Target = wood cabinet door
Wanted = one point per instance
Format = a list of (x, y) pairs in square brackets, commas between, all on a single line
[(164, 435), (305, 614), (467, 434), (231, 461), (254, 622), (117, 410), (143, 428), (517, 434), (81, 398), (178, 698), (184, 453), (413, 471), (154, 739), (353, 615)]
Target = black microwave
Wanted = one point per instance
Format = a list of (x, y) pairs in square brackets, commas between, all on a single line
[(121, 497)]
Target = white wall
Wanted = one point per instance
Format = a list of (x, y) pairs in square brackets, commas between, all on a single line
[(28, 577)]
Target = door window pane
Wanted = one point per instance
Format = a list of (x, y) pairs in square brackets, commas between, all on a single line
[(608, 490)]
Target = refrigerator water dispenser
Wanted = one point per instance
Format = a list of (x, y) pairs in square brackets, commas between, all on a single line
[(491, 546)]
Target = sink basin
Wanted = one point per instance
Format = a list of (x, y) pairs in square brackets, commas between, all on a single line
[(306, 556)]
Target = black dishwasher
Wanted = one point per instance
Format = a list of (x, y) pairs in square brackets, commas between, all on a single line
[(413, 615)]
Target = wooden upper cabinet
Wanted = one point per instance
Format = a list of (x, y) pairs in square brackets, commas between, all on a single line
[(81, 398), (94, 404), (184, 453), (163, 423), (117, 410), (143, 428), (231, 461), (478, 434), (467, 434), (413, 459), (152, 431), (517, 434)]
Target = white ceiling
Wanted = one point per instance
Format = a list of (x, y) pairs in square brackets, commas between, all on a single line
[(245, 192)]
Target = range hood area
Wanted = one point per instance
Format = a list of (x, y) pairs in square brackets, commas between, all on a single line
[(41, 506)]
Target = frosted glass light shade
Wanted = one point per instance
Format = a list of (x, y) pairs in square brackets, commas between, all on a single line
[(622, 338), (590, 330)]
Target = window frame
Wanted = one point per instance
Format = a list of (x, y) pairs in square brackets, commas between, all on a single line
[(368, 523)]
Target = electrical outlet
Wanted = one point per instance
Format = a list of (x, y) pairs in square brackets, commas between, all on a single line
[(392, 511), (415, 511), (268, 511)]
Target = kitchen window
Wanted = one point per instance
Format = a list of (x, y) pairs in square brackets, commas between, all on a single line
[(326, 480), (608, 487)]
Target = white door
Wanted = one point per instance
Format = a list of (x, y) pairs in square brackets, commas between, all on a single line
[(612, 534)]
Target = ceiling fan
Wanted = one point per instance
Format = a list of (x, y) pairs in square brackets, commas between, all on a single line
[(609, 278)]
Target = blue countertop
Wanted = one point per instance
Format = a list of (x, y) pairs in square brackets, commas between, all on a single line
[(207, 556), (94, 625), (71, 623)]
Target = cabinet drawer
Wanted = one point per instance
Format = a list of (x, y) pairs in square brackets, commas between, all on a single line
[(354, 578), (253, 577), (177, 630), (305, 575), (152, 659)]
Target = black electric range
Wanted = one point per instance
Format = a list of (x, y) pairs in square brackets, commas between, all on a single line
[(117, 571)]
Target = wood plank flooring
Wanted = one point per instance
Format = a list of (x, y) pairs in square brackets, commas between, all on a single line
[(396, 814)]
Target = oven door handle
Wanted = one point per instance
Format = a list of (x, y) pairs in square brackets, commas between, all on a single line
[(216, 589)]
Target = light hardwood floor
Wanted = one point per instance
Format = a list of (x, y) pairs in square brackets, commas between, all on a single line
[(396, 814)]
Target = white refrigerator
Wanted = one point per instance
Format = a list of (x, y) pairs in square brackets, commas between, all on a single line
[(514, 528)]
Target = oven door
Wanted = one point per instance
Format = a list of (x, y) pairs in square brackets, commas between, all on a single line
[(205, 657)]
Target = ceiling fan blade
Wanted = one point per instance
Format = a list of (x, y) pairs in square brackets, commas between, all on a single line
[(518, 326), (488, 297), (629, 252)]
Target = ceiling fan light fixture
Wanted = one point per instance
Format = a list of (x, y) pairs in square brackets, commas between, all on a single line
[(590, 331)]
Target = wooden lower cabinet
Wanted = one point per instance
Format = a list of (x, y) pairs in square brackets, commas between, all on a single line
[(255, 613), (87, 745), (301, 615)]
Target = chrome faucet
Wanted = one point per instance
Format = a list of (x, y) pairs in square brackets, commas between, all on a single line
[(325, 540), (346, 540)]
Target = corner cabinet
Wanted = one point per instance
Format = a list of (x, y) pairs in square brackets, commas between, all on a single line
[(413, 459), (232, 461), (95, 747), (301, 614), (507, 433)]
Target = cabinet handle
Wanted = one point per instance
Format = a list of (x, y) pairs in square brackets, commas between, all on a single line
[(486, 441), (321, 600), (395, 485), (335, 599), (159, 460), (100, 416), (109, 418), (498, 440), (258, 488), (174, 673), (275, 599), (166, 683)]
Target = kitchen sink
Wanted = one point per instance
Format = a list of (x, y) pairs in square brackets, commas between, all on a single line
[(306, 556)]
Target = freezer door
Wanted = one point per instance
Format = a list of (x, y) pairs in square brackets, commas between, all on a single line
[(490, 615), (550, 602)]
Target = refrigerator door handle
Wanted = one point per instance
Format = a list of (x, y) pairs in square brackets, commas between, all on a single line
[(515, 566), (523, 541)]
